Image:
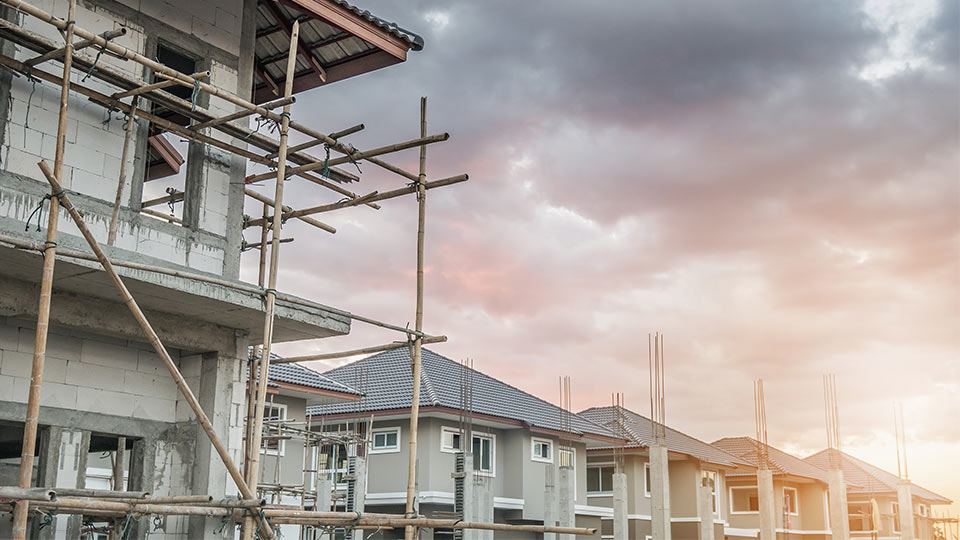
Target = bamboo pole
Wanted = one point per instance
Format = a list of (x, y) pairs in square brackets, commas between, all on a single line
[(167, 82), (271, 297), (317, 142), (356, 156), (122, 181), (257, 245), (27, 494), (240, 114), (57, 53), (236, 285), (176, 197), (154, 340), (410, 531), (21, 512), (166, 217), (374, 196), (398, 521), (355, 352), (267, 200)]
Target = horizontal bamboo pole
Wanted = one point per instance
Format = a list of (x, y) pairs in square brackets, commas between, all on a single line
[(176, 197), (27, 494), (315, 142), (161, 215), (236, 285), (264, 199), (102, 493), (240, 114), (256, 245), (171, 499), (158, 347), (356, 156), (355, 352), (155, 86), (57, 53), (375, 196)]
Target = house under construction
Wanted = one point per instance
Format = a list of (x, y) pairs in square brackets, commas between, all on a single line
[(130, 148)]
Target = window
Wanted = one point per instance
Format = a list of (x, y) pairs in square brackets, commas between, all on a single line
[(860, 515), (710, 479), (790, 501), (271, 443), (600, 479), (334, 463), (896, 517), (386, 441), (567, 457), (483, 454), (450, 440), (744, 500), (647, 483), (541, 450), (923, 510)]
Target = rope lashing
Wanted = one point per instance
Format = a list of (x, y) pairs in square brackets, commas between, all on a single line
[(194, 94), (38, 211), (126, 525), (93, 66), (26, 118), (221, 525), (349, 531), (158, 523), (47, 520)]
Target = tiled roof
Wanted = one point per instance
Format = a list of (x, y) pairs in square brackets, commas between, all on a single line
[(294, 373), (780, 462), (387, 384), (413, 40), (638, 429), (862, 477)]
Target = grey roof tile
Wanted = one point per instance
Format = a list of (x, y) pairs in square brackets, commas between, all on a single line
[(862, 477), (294, 373), (387, 384), (638, 428), (413, 40), (779, 461)]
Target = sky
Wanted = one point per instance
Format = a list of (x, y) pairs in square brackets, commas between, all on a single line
[(774, 186)]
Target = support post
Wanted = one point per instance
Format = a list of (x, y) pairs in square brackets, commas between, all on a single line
[(905, 500), (837, 489), (21, 512), (705, 489), (409, 532), (660, 492), (122, 181), (768, 506), (621, 523), (263, 364)]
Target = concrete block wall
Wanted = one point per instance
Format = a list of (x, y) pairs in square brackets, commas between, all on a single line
[(210, 30)]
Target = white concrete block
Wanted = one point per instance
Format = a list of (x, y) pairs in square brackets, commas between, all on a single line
[(58, 395), (93, 185), (54, 370), (160, 385), (152, 408), (95, 376), (82, 158), (9, 336), (19, 161), (16, 364), (108, 354), (149, 362), (6, 385), (104, 401)]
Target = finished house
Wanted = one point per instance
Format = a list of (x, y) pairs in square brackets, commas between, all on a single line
[(691, 461), (867, 486), (488, 451), (800, 494)]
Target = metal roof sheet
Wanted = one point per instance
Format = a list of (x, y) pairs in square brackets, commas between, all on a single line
[(387, 384), (862, 477), (638, 428)]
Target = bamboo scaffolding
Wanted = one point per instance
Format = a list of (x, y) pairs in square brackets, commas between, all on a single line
[(156, 86), (356, 352), (21, 512), (415, 361), (236, 285), (154, 340), (316, 142), (257, 245), (375, 196), (253, 464), (122, 181), (268, 201), (175, 197), (241, 114), (166, 217), (59, 52)]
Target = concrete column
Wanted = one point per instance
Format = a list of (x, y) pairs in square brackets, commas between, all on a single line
[(359, 489), (768, 505), (705, 508), (566, 504), (905, 499), (70, 473), (324, 500), (660, 492), (839, 518), (551, 502), (477, 500), (221, 394), (621, 524)]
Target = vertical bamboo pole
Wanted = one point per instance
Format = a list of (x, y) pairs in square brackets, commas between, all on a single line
[(264, 363), (251, 378), (117, 481), (158, 346), (21, 511), (131, 122), (410, 532)]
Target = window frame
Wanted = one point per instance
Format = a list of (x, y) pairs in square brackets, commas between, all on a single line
[(601, 467), (896, 517), (449, 449), (281, 448), (385, 449), (716, 488), (733, 511), (647, 480), (534, 441), (795, 500), (923, 509), (493, 454)]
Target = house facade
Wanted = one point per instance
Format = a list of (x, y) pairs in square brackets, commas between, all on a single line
[(799, 489), (874, 502), (691, 463), (528, 456)]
